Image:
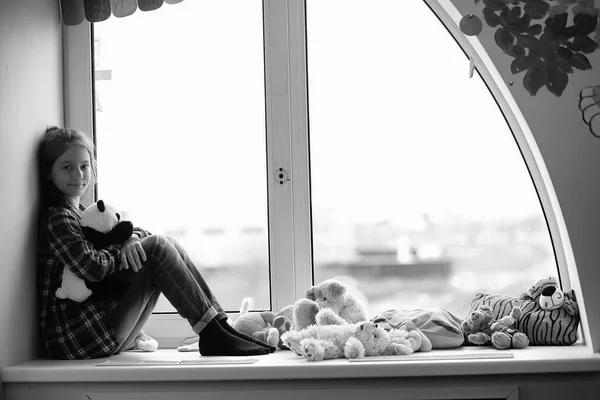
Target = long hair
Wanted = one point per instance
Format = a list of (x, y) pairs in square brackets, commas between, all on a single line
[(55, 142)]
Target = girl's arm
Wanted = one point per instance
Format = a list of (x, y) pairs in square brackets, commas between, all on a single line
[(140, 233), (75, 251)]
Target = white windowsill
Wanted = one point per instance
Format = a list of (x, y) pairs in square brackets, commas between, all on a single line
[(286, 365)]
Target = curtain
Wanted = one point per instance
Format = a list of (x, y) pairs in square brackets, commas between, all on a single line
[(75, 11)]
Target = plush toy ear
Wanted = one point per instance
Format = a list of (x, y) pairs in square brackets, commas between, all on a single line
[(337, 288), (279, 322), (485, 308), (570, 303), (525, 296), (100, 204), (571, 307), (268, 316), (310, 293)]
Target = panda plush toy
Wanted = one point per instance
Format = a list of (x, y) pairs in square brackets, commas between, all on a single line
[(102, 225)]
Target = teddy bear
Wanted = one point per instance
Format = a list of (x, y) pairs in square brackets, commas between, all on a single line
[(334, 295), (304, 310), (324, 341), (482, 329), (548, 294), (265, 326), (102, 225)]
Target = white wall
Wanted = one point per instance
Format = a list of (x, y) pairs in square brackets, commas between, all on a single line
[(30, 99)]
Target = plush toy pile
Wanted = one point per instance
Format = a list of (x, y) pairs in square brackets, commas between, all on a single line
[(332, 338), (269, 327), (329, 322), (332, 323)]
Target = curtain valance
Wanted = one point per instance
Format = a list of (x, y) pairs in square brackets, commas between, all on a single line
[(75, 11)]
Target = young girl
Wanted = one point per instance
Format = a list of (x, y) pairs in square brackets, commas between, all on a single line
[(153, 264)]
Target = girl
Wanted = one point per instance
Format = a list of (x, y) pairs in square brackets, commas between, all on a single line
[(153, 264)]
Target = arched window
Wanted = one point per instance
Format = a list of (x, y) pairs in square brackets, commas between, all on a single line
[(420, 194), (317, 139)]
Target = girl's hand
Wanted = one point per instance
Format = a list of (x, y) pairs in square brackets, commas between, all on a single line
[(132, 254)]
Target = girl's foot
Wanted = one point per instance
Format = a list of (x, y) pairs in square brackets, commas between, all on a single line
[(216, 341), (239, 334)]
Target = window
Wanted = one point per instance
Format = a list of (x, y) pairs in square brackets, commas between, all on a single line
[(411, 188), (419, 192), (180, 134)]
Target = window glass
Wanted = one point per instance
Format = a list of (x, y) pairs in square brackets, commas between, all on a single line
[(180, 130), (420, 195)]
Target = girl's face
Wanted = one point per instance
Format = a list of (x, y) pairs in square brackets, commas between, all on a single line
[(72, 172)]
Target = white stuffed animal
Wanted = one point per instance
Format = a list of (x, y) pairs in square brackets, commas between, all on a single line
[(334, 294)]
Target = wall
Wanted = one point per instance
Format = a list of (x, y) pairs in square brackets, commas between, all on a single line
[(30, 99), (570, 150)]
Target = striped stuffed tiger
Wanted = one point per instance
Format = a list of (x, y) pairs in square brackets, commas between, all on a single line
[(554, 327)]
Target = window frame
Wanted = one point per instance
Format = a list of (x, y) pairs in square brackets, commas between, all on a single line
[(290, 250), (287, 130)]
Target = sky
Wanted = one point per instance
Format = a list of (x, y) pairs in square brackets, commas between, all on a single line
[(397, 128)]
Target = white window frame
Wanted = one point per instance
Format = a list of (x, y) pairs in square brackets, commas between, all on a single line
[(287, 148)]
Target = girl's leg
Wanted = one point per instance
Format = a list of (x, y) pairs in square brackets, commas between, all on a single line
[(133, 310), (192, 299), (197, 276), (222, 316)]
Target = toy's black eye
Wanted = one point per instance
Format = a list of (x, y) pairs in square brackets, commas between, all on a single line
[(118, 217), (324, 298)]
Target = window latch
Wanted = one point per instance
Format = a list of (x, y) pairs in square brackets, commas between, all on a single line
[(282, 176)]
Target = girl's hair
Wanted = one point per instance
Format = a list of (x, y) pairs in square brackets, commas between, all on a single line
[(55, 142)]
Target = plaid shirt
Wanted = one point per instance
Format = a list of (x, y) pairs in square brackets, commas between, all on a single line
[(72, 330)]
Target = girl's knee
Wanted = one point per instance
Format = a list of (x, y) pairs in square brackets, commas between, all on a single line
[(160, 251), (174, 242), (154, 243)]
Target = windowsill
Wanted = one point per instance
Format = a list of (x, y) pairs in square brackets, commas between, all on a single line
[(286, 365)]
